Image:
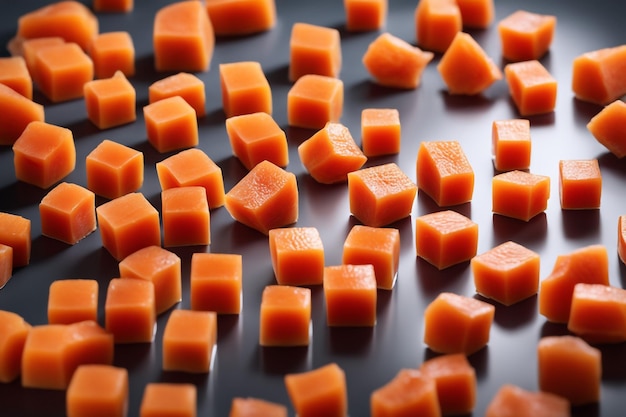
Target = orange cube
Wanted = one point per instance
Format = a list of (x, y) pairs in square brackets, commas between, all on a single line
[(255, 137), (44, 154), (350, 294), (241, 17), (597, 76), (330, 154), (15, 232), (476, 14), (508, 273), (621, 238), (285, 316), (114, 170), (6, 264), (520, 194), (127, 224), (314, 50), (16, 113), (13, 332), (113, 6), (14, 74), (607, 127), (532, 87), (580, 184), (72, 301), (455, 380), (98, 389), (193, 167), (183, 84), (175, 399), (162, 268), (314, 100), (250, 407), (112, 52), (68, 213), (457, 324), (598, 313), (437, 23), (511, 145), (409, 393), (380, 132), (525, 35), (297, 255), (30, 48), (189, 341), (171, 124), (514, 400), (445, 238), (365, 15), (130, 310), (444, 173), (89, 343), (186, 218), (244, 89), (377, 246), (319, 392), (216, 282), (111, 101)]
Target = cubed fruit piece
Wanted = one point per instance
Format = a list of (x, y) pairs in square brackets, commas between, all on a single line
[(476, 14), (189, 341), (350, 294), (89, 343), (455, 380), (531, 86), (513, 400), (186, 217), (130, 310), (13, 332), (68, 213), (319, 392), (297, 255), (162, 399), (171, 124), (62, 71), (110, 102), (598, 313), (113, 6), (112, 52), (437, 23), (380, 132), (409, 393), (608, 127), (245, 89), (183, 84), (216, 282), (580, 184), (457, 324), (526, 35), (30, 48), (6, 264), (314, 49), (511, 144), (16, 113), (621, 238), (251, 407), (285, 316), (520, 194), (15, 232), (114, 170), (598, 76), (72, 301), (365, 15), (314, 100), (98, 390), (14, 74), (241, 17)]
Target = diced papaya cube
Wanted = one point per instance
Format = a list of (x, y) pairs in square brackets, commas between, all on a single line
[(365, 15), (297, 255), (285, 316), (171, 124), (89, 343), (520, 194), (112, 52), (183, 84), (244, 89), (511, 144), (31, 47), (598, 313), (609, 128), (189, 341), (444, 172), (183, 37), (68, 213), (597, 76), (380, 132), (216, 282), (513, 400), (393, 62), (377, 246), (241, 17), (476, 14), (330, 154), (127, 224), (588, 265), (72, 301), (466, 68), (314, 50), (314, 100), (15, 232), (525, 35), (437, 23), (113, 6), (532, 87), (250, 407), (455, 380), (130, 310), (43, 358), (175, 399), (580, 184), (114, 170), (162, 267), (319, 392), (410, 392), (62, 71), (13, 332), (14, 74), (255, 137), (6, 264), (457, 324), (350, 294), (111, 101), (193, 167), (266, 198), (16, 113), (98, 389), (186, 218), (570, 368), (621, 238)]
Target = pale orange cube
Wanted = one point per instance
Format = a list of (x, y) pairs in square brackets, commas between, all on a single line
[(162, 268), (171, 124), (532, 88), (580, 184), (245, 89), (68, 213), (507, 273), (251, 407), (114, 170), (597, 76), (161, 399), (98, 390), (511, 144), (350, 294), (186, 217), (321, 391), (377, 246), (297, 255), (112, 52), (520, 194), (409, 393), (16, 113), (193, 167), (285, 316), (130, 310), (183, 84), (110, 102), (14, 74), (445, 238), (44, 154), (621, 238), (476, 14), (365, 15), (72, 301), (62, 71), (526, 35), (598, 313), (15, 232), (437, 23), (513, 400), (6, 264), (380, 132), (608, 127), (30, 48), (256, 137), (189, 341), (314, 49), (127, 224), (13, 332), (241, 17), (314, 100), (456, 382), (216, 282), (113, 6), (456, 323)]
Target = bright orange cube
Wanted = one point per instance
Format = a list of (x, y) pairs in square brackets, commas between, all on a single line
[(476, 14), (409, 393), (511, 144), (380, 132), (175, 399), (350, 294), (112, 52), (183, 84), (68, 213), (580, 184), (114, 170), (520, 194), (241, 17), (608, 127), (511, 399), (365, 15), (598, 313), (110, 101), (456, 382), (6, 264), (186, 218), (245, 89), (532, 88), (250, 407), (113, 6), (319, 392), (593, 78), (189, 341), (437, 23), (171, 124), (62, 71), (130, 310), (13, 332), (525, 35), (285, 316), (14, 74), (297, 255), (98, 389), (216, 282), (315, 100), (16, 113), (30, 48), (15, 232), (314, 50), (72, 301)]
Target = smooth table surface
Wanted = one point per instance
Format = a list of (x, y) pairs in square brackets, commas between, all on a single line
[(371, 356)]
